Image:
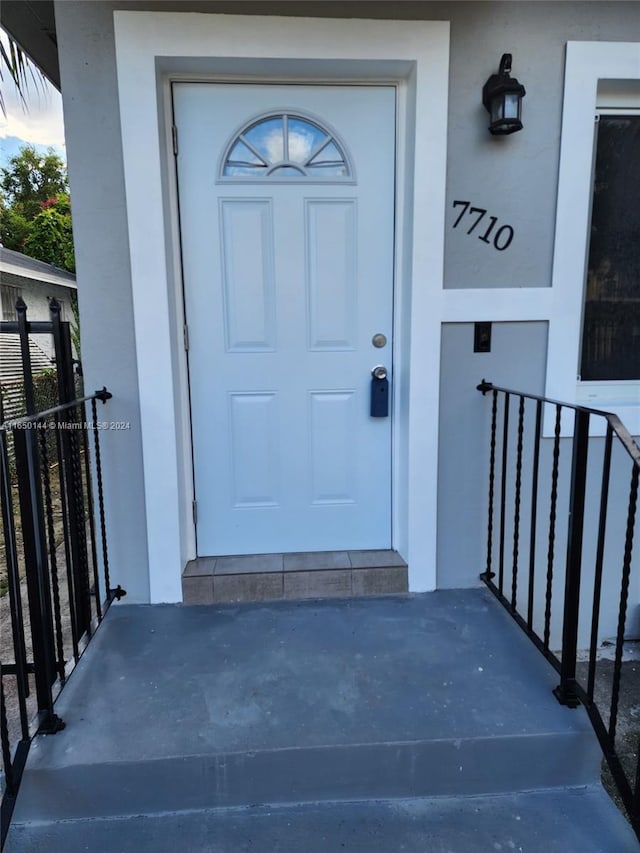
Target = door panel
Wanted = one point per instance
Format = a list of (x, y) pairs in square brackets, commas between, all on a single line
[(248, 278), (287, 277), (331, 273)]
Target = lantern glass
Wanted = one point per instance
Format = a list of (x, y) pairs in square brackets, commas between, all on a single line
[(511, 105), (497, 108)]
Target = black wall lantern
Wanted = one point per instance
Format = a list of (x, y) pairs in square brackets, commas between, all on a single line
[(502, 96)]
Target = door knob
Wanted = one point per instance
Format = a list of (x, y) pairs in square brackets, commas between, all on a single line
[(379, 372)]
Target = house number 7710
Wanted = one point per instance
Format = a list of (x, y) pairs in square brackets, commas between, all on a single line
[(502, 238)]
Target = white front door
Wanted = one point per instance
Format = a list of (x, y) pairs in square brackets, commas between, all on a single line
[(286, 197)]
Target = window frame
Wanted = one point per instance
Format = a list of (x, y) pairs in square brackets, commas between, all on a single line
[(593, 71), (601, 391), (10, 293)]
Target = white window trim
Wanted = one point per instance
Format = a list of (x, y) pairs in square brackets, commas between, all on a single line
[(613, 392), (412, 54), (587, 63)]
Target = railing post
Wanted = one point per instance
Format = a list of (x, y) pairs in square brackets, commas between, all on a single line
[(488, 574), (13, 579), (27, 374), (35, 555), (72, 476), (566, 692)]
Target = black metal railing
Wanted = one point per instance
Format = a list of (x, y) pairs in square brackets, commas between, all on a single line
[(55, 584), (535, 484), (58, 584)]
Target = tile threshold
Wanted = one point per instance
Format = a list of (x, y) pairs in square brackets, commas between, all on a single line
[(272, 577), (307, 561)]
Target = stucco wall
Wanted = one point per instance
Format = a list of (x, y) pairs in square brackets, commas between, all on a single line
[(516, 360), (94, 151), (514, 179)]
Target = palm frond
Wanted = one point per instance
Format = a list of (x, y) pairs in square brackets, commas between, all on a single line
[(20, 69)]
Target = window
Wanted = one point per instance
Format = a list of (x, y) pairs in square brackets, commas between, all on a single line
[(593, 258), (285, 145), (611, 321), (8, 298)]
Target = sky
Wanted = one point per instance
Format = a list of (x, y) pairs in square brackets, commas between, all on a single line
[(40, 123)]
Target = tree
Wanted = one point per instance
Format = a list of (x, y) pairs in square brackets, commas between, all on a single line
[(50, 237), (13, 227), (35, 213), (31, 179)]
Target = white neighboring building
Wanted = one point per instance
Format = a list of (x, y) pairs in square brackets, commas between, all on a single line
[(37, 283)]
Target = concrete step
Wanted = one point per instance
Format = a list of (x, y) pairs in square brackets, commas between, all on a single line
[(175, 708), (314, 574), (426, 768), (562, 820)]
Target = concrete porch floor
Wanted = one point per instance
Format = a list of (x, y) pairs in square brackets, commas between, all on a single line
[(410, 723)]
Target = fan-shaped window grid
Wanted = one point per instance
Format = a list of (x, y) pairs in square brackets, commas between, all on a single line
[(285, 146)]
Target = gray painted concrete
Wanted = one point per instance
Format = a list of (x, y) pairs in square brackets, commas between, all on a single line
[(305, 700), (558, 821), (200, 680), (465, 766), (182, 719)]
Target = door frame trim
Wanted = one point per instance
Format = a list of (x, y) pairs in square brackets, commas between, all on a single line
[(155, 48)]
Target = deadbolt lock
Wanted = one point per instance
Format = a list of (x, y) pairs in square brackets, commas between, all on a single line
[(379, 392)]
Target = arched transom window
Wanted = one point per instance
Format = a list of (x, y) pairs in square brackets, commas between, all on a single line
[(285, 145)]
